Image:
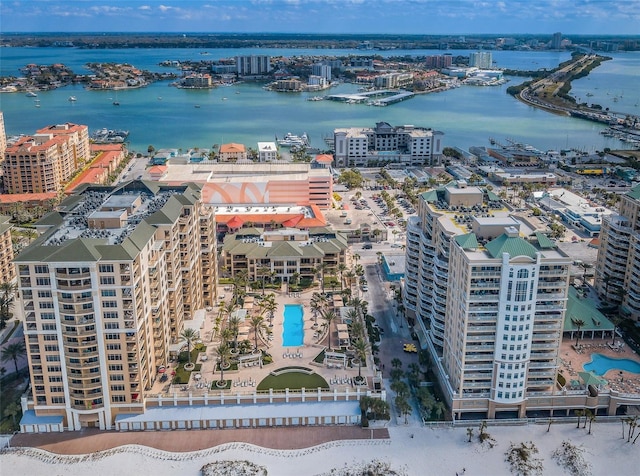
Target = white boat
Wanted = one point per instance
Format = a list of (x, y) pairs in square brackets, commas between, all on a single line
[(72, 98), (31, 94), (290, 140)]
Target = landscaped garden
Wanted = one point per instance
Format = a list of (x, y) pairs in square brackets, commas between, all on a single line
[(293, 378)]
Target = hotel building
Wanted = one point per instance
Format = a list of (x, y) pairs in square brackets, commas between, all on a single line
[(618, 265), (481, 59), (487, 302), (45, 161), (384, 144), (7, 270), (285, 251), (106, 289), (255, 65)]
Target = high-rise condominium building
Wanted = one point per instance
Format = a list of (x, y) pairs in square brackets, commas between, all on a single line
[(3, 137), (106, 289), (43, 162), (481, 59), (385, 144), (253, 65), (556, 41), (7, 270), (322, 70), (487, 302), (618, 264)]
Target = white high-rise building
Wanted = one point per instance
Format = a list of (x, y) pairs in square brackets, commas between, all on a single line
[(321, 70), (254, 65), (481, 59), (488, 302)]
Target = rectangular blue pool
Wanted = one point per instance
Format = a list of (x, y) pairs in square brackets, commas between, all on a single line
[(293, 326)]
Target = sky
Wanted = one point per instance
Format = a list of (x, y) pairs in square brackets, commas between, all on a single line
[(619, 17)]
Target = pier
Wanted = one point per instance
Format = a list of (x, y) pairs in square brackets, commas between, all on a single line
[(382, 97)]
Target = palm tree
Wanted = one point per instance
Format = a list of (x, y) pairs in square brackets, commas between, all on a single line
[(234, 325), (264, 272), (7, 291), (469, 433), (321, 269), (14, 352), (396, 363), (224, 352), (579, 323), (579, 414), (13, 410), (341, 269), (188, 336), (361, 352), (257, 324), (329, 317)]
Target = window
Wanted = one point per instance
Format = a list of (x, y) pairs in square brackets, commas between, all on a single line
[(116, 377), (114, 357), (112, 336), (51, 348), (117, 388), (55, 378), (105, 268), (118, 398), (109, 303), (113, 347), (53, 358), (48, 327), (54, 368), (56, 389), (107, 280), (44, 294), (110, 315), (108, 292), (115, 367), (57, 400), (47, 316), (41, 269), (43, 281), (112, 325)]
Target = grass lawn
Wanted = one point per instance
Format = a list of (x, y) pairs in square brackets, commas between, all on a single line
[(182, 375), (293, 381)]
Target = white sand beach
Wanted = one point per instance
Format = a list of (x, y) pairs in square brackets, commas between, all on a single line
[(410, 451)]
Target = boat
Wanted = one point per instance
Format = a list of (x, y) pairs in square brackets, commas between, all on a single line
[(197, 106), (315, 98), (116, 103), (290, 140), (159, 98), (72, 98), (109, 136), (31, 94), (224, 99)]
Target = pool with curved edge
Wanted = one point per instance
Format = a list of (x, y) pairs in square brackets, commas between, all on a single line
[(601, 364), (293, 325)]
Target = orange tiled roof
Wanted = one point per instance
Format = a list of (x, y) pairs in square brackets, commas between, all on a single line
[(26, 197), (232, 147), (324, 158), (106, 147)]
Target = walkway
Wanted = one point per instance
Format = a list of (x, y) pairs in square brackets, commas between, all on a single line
[(91, 440)]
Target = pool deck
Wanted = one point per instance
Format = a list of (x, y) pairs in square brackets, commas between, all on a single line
[(246, 379), (572, 362)]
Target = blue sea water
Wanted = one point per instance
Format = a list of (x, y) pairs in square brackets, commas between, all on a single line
[(293, 326), (165, 116)]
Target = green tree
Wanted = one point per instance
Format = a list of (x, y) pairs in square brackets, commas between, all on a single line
[(13, 352), (329, 317), (360, 347), (223, 352), (579, 323), (257, 324), (13, 410), (189, 336)]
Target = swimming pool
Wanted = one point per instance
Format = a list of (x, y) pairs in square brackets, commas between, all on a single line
[(601, 364), (293, 332)]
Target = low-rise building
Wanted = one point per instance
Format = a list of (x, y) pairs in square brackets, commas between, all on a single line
[(232, 152), (267, 151)]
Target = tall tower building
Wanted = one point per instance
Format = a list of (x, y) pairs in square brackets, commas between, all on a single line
[(3, 137), (556, 41), (106, 290), (481, 59), (618, 265), (253, 65), (322, 70), (487, 302)]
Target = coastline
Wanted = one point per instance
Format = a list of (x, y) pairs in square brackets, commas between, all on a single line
[(409, 451)]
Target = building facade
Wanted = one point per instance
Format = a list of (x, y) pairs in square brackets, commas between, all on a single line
[(488, 303), (618, 264), (45, 161), (481, 59), (7, 270), (255, 65), (106, 289), (267, 151), (385, 144), (287, 252), (232, 152)]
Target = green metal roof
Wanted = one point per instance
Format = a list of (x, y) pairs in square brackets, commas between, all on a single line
[(634, 192), (492, 196), (586, 311), (430, 196), (514, 246), (544, 241), (467, 242)]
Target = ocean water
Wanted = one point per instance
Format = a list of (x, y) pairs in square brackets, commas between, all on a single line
[(164, 116)]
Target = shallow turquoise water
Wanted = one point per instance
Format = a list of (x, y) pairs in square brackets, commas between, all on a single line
[(293, 333), (601, 364)]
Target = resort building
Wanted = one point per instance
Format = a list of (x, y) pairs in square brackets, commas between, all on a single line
[(385, 144), (106, 289), (255, 65), (273, 183), (488, 302), (3, 137), (267, 152), (481, 59), (232, 152), (7, 270), (618, 266), (45, 161), (286, 252)]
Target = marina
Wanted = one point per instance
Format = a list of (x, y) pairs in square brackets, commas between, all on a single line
[(109, 136)]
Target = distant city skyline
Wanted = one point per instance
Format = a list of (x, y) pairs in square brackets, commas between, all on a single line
[(428, 17)]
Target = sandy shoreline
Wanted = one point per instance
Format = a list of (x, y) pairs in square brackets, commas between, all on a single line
[(409, 451)]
